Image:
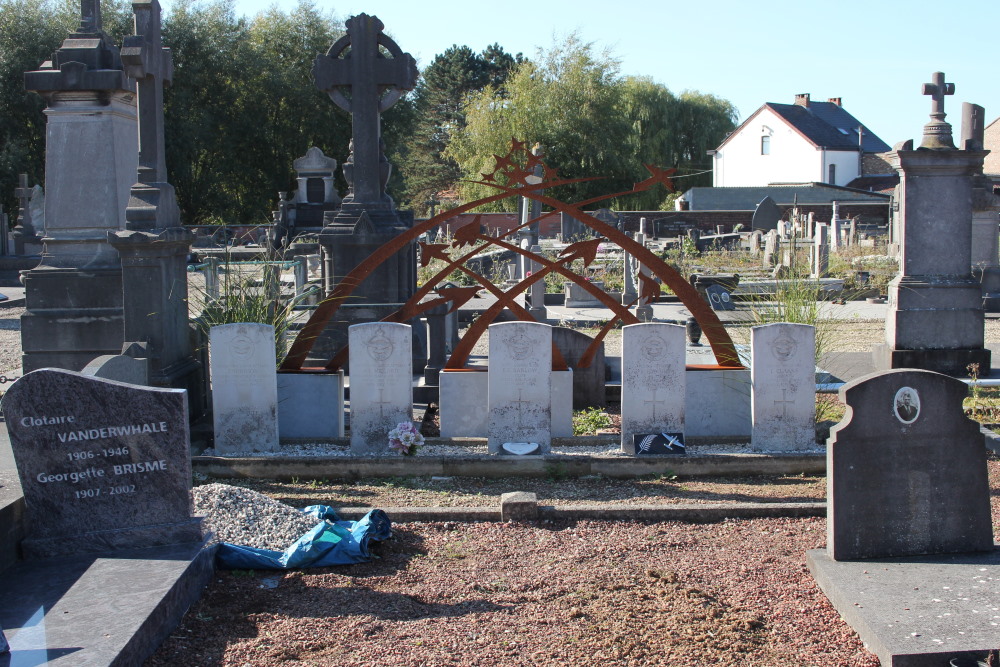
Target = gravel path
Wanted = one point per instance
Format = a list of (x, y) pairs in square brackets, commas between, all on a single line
[(586, 593)]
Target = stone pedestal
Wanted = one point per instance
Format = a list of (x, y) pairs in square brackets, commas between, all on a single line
[(935, 318)]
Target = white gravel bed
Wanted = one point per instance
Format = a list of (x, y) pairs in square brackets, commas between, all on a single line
[(247, 518), (611, 450)]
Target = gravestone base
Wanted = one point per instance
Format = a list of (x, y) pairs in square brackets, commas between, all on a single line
[(107, 541), (110, 610), (916, 611), (71, 317), (950, 362)]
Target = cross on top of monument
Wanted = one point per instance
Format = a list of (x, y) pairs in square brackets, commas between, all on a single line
[(90, 16), (937, 133), (937, 89), (358, 65), (151, 65)]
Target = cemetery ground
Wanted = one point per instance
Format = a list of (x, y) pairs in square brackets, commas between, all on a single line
[(735, 592)]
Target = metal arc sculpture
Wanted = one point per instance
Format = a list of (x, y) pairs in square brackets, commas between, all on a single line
[(516, 177)]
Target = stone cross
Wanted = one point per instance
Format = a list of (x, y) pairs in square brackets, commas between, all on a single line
[(937, 132), (355, 65), (150, 64), (937, 89), (784, 403), (90, 16)]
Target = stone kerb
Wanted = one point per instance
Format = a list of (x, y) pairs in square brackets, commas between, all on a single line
[(783, 387), (520, 377), (653, 380), (381, 383), (244, 387), (906, 470), (103, 465)]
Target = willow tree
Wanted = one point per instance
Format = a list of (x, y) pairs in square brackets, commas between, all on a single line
[(591, 121)]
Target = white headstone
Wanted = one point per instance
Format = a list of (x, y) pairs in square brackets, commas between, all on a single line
[(783, 387), (520, 377), (381, 383), (244, 387), (653, 380), (820, 252)]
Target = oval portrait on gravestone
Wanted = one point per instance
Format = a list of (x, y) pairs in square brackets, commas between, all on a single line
[(906, 405)]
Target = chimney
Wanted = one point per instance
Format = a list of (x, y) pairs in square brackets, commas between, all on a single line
[(802, 100), (835, 100)]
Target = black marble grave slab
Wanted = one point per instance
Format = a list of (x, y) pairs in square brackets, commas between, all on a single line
[(87, 611), (917, 611)]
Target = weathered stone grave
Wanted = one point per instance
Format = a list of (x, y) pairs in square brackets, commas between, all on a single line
[(653, 381), (588, 383), (520, 394), (244, 387), (105, 471), (380, 382), (783, 381), (910, 561)]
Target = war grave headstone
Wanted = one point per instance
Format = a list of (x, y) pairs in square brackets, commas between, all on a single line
[(105, 471), (910, 561), (783, 387), (653, 382), (244, 387), (381, 383), (520, 385)]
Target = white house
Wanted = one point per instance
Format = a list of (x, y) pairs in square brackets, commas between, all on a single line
[(794, 143)]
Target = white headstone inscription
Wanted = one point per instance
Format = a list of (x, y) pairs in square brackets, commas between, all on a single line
[(783, 387), (653, 382), (381, 383), (244, 387), (520, 378)]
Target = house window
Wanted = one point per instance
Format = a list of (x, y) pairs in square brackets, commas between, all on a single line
[(832, 180), (765, 145)]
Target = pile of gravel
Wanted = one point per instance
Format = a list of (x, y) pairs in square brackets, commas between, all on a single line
[(247, 518)]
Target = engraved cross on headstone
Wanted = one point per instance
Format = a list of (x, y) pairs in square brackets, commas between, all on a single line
[(521, 403), (653, 402), (784, 403), (361, 80), (150, 64)]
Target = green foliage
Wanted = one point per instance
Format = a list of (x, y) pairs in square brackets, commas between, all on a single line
[(439, 106), (589, 421), (591, 121)]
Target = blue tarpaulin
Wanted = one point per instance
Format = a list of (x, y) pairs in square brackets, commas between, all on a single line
[(330, 542)]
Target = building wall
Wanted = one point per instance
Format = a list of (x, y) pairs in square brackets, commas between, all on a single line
[(792, 159), (991, 141)]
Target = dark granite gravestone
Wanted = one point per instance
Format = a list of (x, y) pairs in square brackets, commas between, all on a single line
[(906, 470), (103, 465), (588, 383), (766, 215), (719, 298)]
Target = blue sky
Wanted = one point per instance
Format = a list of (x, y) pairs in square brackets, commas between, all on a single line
[(874, 54)]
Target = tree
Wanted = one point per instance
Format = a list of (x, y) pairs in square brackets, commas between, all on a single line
[(439, 108), (591, 121)]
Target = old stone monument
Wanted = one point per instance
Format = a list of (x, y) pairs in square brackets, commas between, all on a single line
[(27, 239), (365, 73), (103, 465), (935, 318), (520, 381), (154, 245), (244, 388), (316, 194), (783, 387), (381, 384), (653, 381), (73, 297)]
